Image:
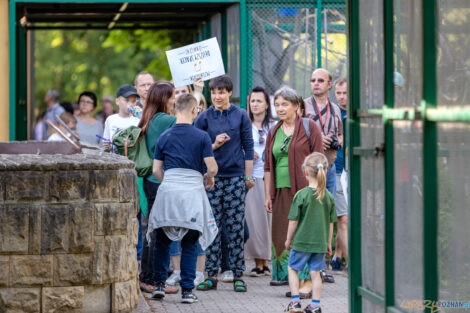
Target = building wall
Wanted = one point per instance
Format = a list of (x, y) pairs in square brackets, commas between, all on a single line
[(4, 72)]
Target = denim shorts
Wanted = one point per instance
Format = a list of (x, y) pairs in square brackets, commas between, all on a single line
[(175, 248), (298, 259)]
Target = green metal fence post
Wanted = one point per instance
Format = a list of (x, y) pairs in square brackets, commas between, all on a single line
[(223, 44), (12, 91), (319, 24), (21, 85), (398, 33), (243, 53), (354, 86), (430, 187), (389, 165)]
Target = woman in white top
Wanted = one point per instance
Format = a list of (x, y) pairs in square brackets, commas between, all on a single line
[(87, 126), (258, 245)]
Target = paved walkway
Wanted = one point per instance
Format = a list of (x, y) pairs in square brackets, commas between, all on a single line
[(260, 298)]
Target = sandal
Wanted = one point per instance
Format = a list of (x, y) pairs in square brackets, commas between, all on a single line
[(209, 284), (239, 285), (327, 278)]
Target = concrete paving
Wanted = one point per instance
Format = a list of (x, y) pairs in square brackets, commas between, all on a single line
[(260, 298)]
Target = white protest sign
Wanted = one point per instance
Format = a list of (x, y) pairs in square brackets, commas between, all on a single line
[(201, 59)]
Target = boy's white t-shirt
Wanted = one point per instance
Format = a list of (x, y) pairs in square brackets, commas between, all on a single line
[(115, 123), (56, 137)]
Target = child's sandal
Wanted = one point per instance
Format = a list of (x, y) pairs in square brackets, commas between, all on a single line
[(209, 284), (239, 285), (326, 278)]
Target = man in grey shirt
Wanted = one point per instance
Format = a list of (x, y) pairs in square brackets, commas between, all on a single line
[(53, 108)]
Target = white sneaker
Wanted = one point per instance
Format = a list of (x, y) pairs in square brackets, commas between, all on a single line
[(199, 278), (227, 276), (174, 278)]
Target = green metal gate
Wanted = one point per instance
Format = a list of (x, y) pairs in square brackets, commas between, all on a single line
[(409, 150)]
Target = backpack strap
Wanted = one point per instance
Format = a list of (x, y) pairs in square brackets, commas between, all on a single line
[(126, 145), (305, 123)]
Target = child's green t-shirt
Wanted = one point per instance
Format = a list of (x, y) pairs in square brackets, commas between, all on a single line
[(314, 220)]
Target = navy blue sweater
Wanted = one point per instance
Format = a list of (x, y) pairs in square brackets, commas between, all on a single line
[(234, 122)]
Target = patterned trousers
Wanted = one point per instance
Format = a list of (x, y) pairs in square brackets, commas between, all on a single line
[(227, 199)]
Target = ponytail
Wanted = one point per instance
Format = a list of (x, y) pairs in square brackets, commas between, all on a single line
[(321, 179), (315, 164)]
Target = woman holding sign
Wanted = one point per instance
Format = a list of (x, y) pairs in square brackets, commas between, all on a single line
[(229, 128)]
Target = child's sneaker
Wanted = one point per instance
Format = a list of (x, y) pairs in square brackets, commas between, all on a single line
[(310, 309), (293, 306), (188, 296)]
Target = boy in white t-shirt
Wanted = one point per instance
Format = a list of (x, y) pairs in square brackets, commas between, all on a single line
[(126, 97)]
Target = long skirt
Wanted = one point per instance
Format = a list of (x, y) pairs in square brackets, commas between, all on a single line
[(281, 207), (258, 245)]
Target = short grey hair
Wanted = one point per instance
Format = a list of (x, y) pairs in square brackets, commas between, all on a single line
[(287, 93), (340, 81), (136, 79), (54, 94)]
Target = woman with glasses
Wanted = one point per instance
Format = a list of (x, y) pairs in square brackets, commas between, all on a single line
[(87, 126), (258, 246), (287, 144)]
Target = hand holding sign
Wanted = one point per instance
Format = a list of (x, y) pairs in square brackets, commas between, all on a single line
[(202, 59)]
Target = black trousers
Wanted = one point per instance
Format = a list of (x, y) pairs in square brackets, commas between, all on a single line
[(146, 274)]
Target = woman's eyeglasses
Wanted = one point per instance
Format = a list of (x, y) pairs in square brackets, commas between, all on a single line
[(286, 142), (261, 133)]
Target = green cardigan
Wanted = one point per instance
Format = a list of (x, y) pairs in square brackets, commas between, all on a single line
[(157, 126)]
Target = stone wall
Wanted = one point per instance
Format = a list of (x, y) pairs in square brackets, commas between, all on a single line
[(68, 232)]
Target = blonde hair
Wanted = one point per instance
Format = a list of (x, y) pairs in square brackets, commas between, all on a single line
[(68, 118), (316, 164), (202, 103)]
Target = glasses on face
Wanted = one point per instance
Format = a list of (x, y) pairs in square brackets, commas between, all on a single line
[(320, 80), (261, 133), (86, 102), (286, 142)]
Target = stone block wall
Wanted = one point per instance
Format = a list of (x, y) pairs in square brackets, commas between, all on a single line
[(68, 232)]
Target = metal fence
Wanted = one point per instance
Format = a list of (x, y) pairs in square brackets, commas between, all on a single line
[(409, 148), (288, 40)]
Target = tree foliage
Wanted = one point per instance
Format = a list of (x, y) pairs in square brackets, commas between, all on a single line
[(99, 61)]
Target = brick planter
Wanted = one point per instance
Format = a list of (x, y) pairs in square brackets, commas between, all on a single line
[(68, 232)]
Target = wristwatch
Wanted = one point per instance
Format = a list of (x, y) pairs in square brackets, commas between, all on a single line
[(249, 178)]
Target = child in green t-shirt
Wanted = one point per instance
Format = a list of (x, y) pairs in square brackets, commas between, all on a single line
[(310, 231)]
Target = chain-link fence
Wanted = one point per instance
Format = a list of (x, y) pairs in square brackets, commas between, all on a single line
[(288, 40)]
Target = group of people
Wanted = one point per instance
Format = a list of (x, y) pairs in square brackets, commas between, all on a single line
[(77, 116), (230, 184)]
